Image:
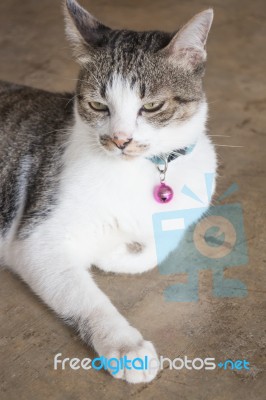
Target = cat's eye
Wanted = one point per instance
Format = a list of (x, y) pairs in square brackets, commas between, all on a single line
[(152, 107), (96, 106)]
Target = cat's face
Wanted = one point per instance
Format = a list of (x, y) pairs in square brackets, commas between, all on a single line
[(139, 93)]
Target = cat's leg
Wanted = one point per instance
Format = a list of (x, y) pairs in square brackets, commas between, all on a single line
[(52, 272)]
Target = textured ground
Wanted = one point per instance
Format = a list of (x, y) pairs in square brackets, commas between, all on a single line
[(33, 51)]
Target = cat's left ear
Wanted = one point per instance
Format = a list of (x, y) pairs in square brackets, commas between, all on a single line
[(187, 47), (84, 32)]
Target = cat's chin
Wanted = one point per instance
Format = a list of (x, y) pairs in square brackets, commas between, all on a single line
[(126, 156), (123, 155)]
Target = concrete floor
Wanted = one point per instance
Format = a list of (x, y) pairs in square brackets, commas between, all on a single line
[(33, 51)]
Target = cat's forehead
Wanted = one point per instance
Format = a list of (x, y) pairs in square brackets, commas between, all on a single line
[(131, 61), (121, 94), (121, 91), (148, 79), (133, 55), (144, 75), (127, 42), (128, 53)]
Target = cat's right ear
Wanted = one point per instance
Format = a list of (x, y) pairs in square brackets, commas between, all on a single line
[(83, 31)]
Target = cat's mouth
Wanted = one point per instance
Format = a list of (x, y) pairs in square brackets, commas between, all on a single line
[(133, 150), (130, 156)]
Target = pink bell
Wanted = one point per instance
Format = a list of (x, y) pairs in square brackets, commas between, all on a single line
[(163, 193)]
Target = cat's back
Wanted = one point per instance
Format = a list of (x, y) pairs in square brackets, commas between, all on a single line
[(34, 127), (21, 106), (32, 122)]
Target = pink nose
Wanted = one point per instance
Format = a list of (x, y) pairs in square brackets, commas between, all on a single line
[(121, 141)]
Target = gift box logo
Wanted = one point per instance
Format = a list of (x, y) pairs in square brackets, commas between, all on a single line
[(215, 242)]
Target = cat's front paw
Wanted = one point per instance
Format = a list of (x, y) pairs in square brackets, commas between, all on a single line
[(138, 364)]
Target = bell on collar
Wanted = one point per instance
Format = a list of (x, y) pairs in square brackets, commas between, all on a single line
[(163, 193)]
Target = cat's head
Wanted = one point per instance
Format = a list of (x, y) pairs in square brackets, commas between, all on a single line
[(139, 93)]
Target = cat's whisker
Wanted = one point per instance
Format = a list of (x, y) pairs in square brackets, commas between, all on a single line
[(88, 146), (59, 130), (226, 145), (93, 75), (213, 101), (70, 100)]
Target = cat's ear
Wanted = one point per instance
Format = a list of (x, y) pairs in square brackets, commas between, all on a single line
[(84, 32), (187, 47)]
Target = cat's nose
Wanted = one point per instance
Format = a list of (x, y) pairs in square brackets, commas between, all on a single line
[(121, 141)]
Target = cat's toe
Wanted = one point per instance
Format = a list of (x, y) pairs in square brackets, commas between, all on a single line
[(140, 364), (146, 374)]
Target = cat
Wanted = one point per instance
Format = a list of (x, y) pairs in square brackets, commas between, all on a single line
[(77, 173)]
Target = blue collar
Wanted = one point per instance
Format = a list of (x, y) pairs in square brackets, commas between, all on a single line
[(160, 159)]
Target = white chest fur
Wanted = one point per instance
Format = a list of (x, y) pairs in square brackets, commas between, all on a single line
[(106, 201)]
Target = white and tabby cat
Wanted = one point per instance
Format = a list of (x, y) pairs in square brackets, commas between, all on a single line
[(77, 173)]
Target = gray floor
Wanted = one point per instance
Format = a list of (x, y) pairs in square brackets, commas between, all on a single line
[(33, 51)]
